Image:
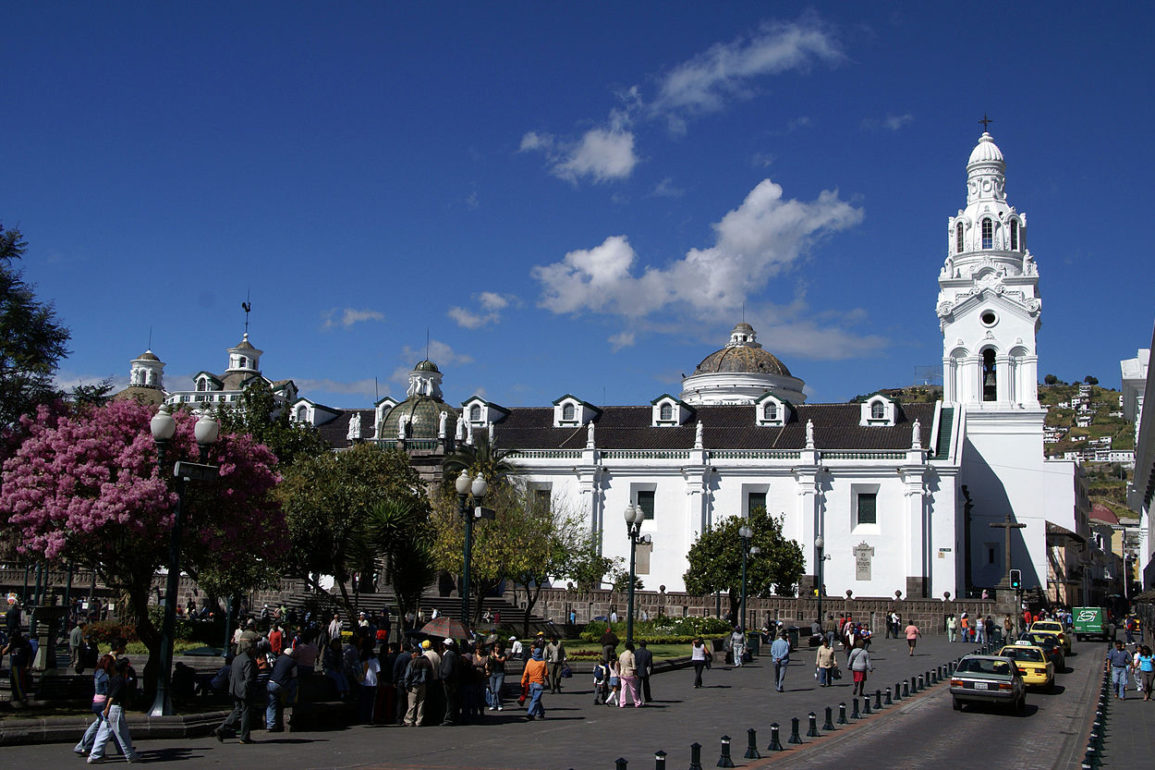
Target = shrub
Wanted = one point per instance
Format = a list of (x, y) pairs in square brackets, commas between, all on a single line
[(104, 631), (662, 631)]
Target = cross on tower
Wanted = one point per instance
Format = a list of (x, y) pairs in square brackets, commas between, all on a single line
[(1006, 525), (986, 122)]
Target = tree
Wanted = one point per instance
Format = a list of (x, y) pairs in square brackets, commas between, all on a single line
[(588, 567), (84, 488), (32, 342), (1090, 380), (329, 501), (265, 419), (716, 560), (1050, 379)]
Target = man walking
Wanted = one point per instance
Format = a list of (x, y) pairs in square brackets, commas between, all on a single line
[(645, 661), (1120, 661), (780, 654), (282, 687), (242, 685), (75, 642), (555, 657), (451, 682)]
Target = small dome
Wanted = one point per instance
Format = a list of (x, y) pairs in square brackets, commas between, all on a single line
[(426, 366), (147, 356), (986, 151), (741, 358)]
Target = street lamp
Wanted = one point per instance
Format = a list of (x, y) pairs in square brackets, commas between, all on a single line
[(163, 428), (747, 550), (634, 515), (819, 543), (478, 488)]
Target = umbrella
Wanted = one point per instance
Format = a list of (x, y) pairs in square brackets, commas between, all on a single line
[(446, 627)]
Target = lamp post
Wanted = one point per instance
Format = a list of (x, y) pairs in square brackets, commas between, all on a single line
[(747, 550), (634, 515), (478, 488), (819, 543), (163, 428)]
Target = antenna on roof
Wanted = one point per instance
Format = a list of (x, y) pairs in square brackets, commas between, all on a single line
[(149, 339), (248, 307), (426, 343), (743, 312), (376, 392)]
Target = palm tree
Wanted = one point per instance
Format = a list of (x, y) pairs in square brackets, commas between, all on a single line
[(480, 457)]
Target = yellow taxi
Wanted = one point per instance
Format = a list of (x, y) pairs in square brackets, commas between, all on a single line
[(1032, 663), (1053, 627)]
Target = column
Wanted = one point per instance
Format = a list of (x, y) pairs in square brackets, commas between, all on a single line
[(1003, 376), (916, 532)]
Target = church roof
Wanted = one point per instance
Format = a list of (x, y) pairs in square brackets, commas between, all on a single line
[(742, 358), (424, 413), (724, 427), (986, 151), (140, 394)]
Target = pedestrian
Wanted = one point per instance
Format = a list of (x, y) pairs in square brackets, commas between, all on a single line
[(1120, 662), (859, 663), (451, 682), (951, 627), (333, 663), (335, 626), (912, 635), (397, 676), (281, 688), (699, 659), (100, 679), (370, 668), (780, 655), (242, 688), (615, 669), (555, 657), (75, 642), (826, 662), (609, 643), (534, 676), (737, 646), (113, 724), (1008, 628), (21, 661), (496, 670), (1145, 670), (965, 627), (601, 682), (628, 671), (516, 648), (416, 680), (980, 630), (645, 660)]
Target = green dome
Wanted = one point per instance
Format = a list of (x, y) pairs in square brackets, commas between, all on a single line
[(426, 366), (424, 413)]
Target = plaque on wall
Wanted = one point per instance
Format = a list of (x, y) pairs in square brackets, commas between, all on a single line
[(863, 554)]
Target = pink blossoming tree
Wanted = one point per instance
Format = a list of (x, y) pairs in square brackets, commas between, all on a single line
[(85, 488)]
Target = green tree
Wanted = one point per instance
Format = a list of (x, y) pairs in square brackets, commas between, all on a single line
[(1050, 379), (1091, 380), (716, 560), (331, 502), (260, 415), (588, 567), (32, 341)]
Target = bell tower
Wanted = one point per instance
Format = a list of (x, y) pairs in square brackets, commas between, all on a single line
[(988, 300)]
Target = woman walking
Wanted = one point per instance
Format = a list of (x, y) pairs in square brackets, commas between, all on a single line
[(113, 724), (912, 635), (534, 677), (826, 662), (698, 658), (100, 680), (859, 663), (628, 671), (496, 669), (1145, 670)]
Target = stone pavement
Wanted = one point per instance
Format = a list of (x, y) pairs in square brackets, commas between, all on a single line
[(1129, 733), (575, 733)]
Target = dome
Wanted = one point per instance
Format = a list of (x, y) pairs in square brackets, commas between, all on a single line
[(742, 358), (147, 356), (426, 366), (986, 151), (423, 417)]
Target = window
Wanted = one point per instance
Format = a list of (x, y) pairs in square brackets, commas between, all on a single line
[(988, 234), (990, 554), (646, 503), (770, 411), (878, 411), (867, 508), (666, 412), (541, 500), (475, 413), (755, 501), (958, 238), (567, 412), (202, 384), (1014, 235), (302, 414), (990, 378)]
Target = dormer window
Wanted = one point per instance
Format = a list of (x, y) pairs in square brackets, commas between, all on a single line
[(567, 413), (988, 234), (202, 384), (302, 414), (666, 412), (570, 411), (958, 238), (878, 410), (475, 413), (770, 411)]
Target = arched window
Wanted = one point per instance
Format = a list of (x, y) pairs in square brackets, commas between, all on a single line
[(770, 411), (302, 413), (958, 238), (567, 412), (990, 377), (202, 384), (242, 362), (1014, 235), (988, 234), (475, 413), (666, 412), (877, 411)]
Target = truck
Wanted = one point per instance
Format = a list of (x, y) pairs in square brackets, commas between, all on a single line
[(1092, 623)]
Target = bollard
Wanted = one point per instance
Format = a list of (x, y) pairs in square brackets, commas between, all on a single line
[(794, 736), (898, 691), (751, 745), (878, 700), (913, 684), (866, 705), (854, 711), (620, 763), (921, 683), (889, 702), (725, 760), (659, 760), (695, 756), (829, 723), (775, 744), (906, 689), (812, 732)]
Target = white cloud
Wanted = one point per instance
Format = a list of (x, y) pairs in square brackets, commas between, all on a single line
[(491, 303), (622, 340), (348, 317), (890, 122), (602, 154), (535, 141), (708, 81), (366, 387), (66, 380), (765, 235), (439, 353), (667, 189)]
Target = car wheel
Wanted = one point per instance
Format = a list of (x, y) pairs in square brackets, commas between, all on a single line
[(957, 704)]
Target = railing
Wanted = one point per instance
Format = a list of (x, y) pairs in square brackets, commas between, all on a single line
[(754, 454), (880, 454), (645, 454), (546, 454)]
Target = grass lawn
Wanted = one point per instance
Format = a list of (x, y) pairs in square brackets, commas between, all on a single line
[(580, 650)]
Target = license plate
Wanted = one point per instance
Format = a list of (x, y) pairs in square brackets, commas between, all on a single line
[(980, 685)]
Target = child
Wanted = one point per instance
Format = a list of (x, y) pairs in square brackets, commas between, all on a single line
[(615, 685), (601, 682)]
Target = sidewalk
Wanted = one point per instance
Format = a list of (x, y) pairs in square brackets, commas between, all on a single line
[(1130, 726)]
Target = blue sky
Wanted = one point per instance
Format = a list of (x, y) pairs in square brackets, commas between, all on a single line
[(569, 198)]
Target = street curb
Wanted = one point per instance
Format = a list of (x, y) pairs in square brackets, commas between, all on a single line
[(69, 729)]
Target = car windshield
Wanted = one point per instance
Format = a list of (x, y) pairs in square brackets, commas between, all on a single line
[(1022, 653), (984, 666), (1048, 627)]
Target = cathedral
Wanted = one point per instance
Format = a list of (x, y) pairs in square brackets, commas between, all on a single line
[(908, 498)]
